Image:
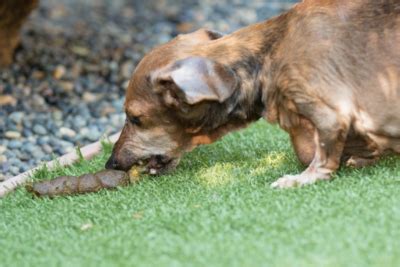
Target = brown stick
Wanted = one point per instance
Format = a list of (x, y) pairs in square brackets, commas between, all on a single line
[(87, 152)]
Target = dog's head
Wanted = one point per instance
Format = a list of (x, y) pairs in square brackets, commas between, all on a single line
[(170, 101)]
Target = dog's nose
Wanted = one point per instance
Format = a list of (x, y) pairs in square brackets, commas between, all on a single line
[(112, 163)]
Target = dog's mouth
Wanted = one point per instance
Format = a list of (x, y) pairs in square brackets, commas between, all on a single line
[(156, 165)]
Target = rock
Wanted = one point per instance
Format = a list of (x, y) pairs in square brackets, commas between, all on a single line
[(23, 168), (185, 27), (14, 170), (43, 140), (14, 144), (37, 153), (3, 159), (92, 134), (89, 97), (39, 75), (67, 86), (26, 132), (2, 149), (12, 135), (16, 117), (107, 110), (80, 50), (67, 132), (47, 149), (5, 167), (127, 69), (29, 147), (59, 72), (6, 100), (39, 129), (78, 122), (39, 103), (57, 115)]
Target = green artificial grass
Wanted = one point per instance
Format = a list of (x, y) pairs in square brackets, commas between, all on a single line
[(216, 209)]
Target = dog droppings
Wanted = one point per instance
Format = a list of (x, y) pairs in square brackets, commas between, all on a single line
[(87, 183)]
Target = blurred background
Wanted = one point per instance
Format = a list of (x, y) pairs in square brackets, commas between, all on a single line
[(67, 84)]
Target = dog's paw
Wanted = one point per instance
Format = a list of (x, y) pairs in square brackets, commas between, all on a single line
[(358, 162), (290, 181)]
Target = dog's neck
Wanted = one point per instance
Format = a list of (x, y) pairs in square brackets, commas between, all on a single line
[(249, 53)]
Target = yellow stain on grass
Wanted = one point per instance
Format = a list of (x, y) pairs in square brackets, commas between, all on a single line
[(225, 173), (217, 175), (275, 160)]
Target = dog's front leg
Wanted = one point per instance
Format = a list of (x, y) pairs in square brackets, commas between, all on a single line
[(329, 139)]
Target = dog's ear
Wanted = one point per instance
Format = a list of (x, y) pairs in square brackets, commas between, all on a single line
[(201, 35), (194, 80)]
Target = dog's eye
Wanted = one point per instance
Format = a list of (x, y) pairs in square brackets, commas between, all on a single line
[(134, 120)]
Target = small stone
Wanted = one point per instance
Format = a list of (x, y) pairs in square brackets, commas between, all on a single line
[(2, 149), (6, 100), (107, 110), (127, 70), (125, 84), (14, 144), (12, 135), (57, 115), (23, 168), (64, 131), (29, 148), (39, 129), (185, 27), (37, 153), (89, 97), (67, 86), (47, 149), (14, 170), (16, 117), (39, 75), (43, 140), (65, 144), (79, 122), (38, 102), (25, 157), (2, 177), (3, 159), (80, 50), (5, 167), (59, 72), (93, 134), (26, 132)]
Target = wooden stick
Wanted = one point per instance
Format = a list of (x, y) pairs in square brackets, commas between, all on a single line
[(87, 152)]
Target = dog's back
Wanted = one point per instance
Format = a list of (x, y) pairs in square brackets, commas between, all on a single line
[(348, 52)]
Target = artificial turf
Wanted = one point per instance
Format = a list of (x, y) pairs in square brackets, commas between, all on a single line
[(216, 209)]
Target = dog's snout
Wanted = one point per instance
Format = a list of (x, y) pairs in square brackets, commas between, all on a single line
[(112, 163)]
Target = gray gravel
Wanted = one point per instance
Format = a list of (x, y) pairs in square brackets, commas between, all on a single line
[(67, 84)]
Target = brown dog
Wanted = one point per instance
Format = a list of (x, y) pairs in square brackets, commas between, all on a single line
[(12, 15), (328, 71)]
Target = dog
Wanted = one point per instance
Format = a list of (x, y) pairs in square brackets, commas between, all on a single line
[(13, 13), (327, 71)]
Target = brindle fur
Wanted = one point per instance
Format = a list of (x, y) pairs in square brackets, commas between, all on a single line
[(328, 72), (12, 15)]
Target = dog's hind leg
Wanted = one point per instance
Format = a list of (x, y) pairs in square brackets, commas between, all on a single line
[(302, 137), (329, 140)]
